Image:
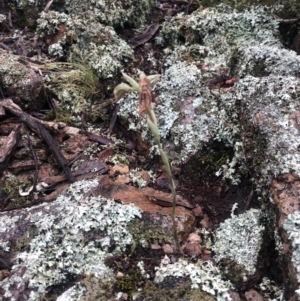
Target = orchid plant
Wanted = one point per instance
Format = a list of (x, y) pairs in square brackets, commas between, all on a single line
[(145, 105)]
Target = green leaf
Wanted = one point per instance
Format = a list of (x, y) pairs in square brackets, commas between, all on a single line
[(121, 89), (153, 78), (132, 82)]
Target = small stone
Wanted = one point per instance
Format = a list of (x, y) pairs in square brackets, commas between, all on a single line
[(122, 179), (206, 223), (192, 246), (198, 211), (167, 249), (155, 247), (234, 296), (120, 275), (119, 168), (165, 260), (253, 295)]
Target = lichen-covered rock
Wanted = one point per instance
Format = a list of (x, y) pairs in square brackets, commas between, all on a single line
[(202, 275), (75, 87), (73, 236), (190, 117), (246, 45), (270, 126), (84, 41), (113, 13), (19, 80), (237, 244)]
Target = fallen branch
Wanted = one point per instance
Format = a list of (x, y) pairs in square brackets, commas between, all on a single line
[(145, 36), (38, 127), (9, 147), (36, 172)]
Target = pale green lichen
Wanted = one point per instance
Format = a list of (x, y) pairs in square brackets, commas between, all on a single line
[(239, 239), (2, 18), (114, 13), (20, 80), (86, 41), (137, 178), (25, 3), (61, 244), (271, 126), (270, 288), (203, 275)]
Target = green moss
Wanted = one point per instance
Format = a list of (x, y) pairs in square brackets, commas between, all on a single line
[(208, 161), (153, 292), (11, 188), (233, 271), (23, 244), (99, 110), (144, 235), (76, 87), (60, 115), (130, 282)]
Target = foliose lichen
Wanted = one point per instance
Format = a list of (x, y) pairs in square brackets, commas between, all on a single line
[(203, 275), (114, 13), (86, 41), (239, 239), (62, 243)]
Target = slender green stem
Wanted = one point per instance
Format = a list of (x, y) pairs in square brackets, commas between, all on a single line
[(153, 127)]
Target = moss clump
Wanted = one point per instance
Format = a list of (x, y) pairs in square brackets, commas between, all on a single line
[(23, 244), (144, 235), (180, 292), (60, 115), (11, 188), (233, 271), (76, 87), (208, 161), (130, 282)]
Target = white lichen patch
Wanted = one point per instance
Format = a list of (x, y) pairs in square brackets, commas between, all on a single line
[(269, 288), (137, 178), (272, 126), (249, 37), (62, 244), (114, 13), (203, 275), (292, 226), (2, 18), (97, 45), (239, 239)]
